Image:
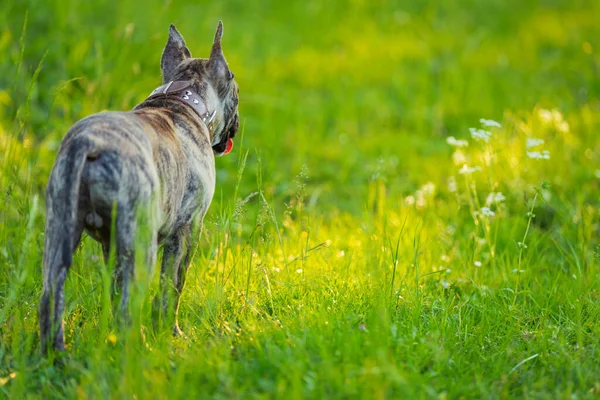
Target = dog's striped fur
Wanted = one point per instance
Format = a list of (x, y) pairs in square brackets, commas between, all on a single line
[(156, 161)]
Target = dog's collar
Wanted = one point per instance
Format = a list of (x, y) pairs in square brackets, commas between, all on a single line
[(181, 90)]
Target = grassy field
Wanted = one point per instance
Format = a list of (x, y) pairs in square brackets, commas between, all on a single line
[(356, 246)]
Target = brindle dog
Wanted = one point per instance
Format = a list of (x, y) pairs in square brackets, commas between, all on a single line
[(156, 160)]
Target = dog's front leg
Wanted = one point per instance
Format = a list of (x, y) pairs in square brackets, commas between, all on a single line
[(175, 262)]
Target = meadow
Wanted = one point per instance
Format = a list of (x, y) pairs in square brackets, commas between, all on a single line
[(411, 210)]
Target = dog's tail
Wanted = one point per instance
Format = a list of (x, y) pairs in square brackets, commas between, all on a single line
[(61, 236), (62, 200)]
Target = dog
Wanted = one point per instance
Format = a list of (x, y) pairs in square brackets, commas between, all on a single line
[(152, 169)]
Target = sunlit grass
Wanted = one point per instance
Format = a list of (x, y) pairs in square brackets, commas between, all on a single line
[(363, 241)]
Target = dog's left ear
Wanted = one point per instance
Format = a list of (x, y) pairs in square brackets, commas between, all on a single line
[(218, 67), (174, 53)]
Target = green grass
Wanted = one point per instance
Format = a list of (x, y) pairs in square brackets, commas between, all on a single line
[(344, 255)]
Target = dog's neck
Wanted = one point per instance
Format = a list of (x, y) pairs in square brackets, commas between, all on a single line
[(182, 91)]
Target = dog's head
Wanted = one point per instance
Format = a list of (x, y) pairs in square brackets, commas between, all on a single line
[(213, 81)]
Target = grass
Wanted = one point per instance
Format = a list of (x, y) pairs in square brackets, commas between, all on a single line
[(345, 254)]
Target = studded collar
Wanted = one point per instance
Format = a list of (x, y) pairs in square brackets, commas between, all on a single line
[(181, 90)]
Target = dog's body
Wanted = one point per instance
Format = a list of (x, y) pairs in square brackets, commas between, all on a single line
[(152, 166)]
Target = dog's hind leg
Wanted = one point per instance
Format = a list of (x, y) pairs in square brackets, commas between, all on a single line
[(125, 257), (62, 235), (135, 231), (175, 262), (121, 195), (52, 302)]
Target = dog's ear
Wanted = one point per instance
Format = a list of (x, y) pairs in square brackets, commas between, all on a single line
[(174, 53), (217, 65)]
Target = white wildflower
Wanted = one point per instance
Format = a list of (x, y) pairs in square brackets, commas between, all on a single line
[(556, 115), (452, 141), (487, 212), (480, 135), (468, 170), (428, 189), (533, 142), (555, 118), (445, 284), (494, 198), (459, 157), (490, 123), (452, 188), (539, 155), (421, 202), (545, 115), (421, 196), (563, 126), (299, 271), (477, 263), (522, 245)]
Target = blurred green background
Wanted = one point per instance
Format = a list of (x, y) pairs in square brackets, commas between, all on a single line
[(345, 253), (333, 85)]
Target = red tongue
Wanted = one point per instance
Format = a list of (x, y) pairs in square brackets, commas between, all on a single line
[(229, 146)]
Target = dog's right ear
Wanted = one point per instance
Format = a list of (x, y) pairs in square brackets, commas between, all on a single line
[(174, 53), (217, 65)]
